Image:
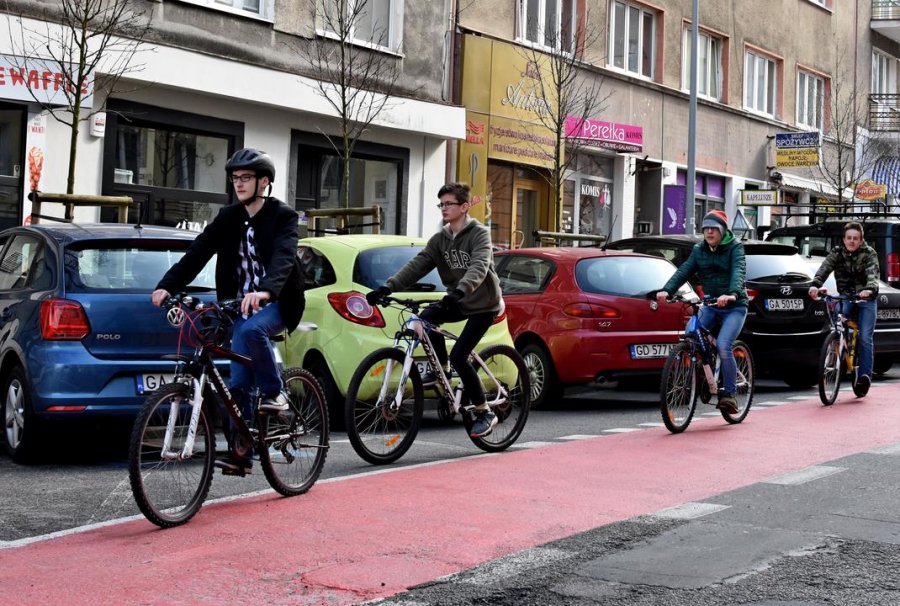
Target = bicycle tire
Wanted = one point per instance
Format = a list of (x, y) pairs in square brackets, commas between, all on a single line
[(156, 482), (293, 444), (378, 434), (505, 363), (745, 383), (678, 388), (830, 369)]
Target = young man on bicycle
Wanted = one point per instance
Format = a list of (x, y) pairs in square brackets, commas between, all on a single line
[(856, 271), (256, 244), (462, 253), (720, 263)]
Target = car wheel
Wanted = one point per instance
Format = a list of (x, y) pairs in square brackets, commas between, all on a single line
[(882, 364), (545, 387), (801, 380), (333, 396), (21, 426)]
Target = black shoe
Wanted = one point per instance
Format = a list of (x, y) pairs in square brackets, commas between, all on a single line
[(234, 466), (485, 420), (727, 404), (862, 386), (275, 403), (429, 379)]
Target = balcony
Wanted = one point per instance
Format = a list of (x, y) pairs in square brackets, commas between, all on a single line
[(884, 112), (886, 18)]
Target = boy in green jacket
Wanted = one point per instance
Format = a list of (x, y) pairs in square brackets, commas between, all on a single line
[(462, 253), (720, 262)]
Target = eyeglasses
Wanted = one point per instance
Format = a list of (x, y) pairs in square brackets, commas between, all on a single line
[(241, 178), (449, 204)]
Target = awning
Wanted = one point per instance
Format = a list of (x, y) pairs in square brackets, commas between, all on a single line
[(887, 171), (811, 185)]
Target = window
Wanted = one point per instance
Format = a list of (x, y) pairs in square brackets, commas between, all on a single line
[(709, 65), (632, 39), (263, 9), (810, 100), (548, 23), (760, 83), (884, 74), (20, 257), (91, 266), (373, 22), (522, 275)]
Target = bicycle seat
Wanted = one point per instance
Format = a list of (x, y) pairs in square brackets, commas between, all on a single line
[(307, 327)]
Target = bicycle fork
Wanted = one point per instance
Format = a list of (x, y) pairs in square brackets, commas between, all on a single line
[(197, 387)]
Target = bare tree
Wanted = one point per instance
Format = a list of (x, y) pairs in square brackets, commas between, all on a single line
[(355, 79), (570, 93), (89, 40)]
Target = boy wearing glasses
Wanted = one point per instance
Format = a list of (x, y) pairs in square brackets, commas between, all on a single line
[(462, 253), (256, 244)]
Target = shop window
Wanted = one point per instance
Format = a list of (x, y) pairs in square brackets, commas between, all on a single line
[(373, 22), (262, 9), (548, 23), (761, 83), (632, 37), (709, 194), (810, 100), (709, 64), (171, 163)]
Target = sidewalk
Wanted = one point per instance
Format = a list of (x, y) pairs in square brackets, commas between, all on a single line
[(370, 537)]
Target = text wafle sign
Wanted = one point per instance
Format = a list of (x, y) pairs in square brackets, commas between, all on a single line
[(868, 189), (797, 149)]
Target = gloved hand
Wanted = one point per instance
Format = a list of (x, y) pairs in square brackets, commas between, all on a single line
[(374, 296), (451, 299)]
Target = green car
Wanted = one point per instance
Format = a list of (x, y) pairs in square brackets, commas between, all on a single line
[(339, 271)]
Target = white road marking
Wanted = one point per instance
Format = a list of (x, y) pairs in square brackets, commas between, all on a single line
[(688, 511), (814, 472), (517, 563), (621, 430)]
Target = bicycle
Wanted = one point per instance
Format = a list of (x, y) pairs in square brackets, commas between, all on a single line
[(173, 442), (840, 351), (692, 370), (385, 400)]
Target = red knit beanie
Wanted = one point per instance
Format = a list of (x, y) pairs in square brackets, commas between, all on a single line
[(717, 219)]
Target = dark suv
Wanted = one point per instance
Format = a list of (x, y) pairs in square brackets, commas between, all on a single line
[(817, 239), (784, 327)]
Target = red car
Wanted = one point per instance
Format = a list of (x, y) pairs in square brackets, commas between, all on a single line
[(580, 315)]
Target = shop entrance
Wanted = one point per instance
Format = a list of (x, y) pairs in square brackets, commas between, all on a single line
[(12, 171)]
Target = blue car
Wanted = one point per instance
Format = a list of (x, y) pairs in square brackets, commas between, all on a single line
[(79, 337)]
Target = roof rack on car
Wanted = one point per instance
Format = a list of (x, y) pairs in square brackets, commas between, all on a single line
[(844, 210)]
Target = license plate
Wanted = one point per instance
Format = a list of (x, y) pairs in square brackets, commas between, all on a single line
[(889, 314), (650, 350), (423, 367), (784, 304), (151, 382)]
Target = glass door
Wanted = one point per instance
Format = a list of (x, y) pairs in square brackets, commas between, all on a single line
[(12, 154)]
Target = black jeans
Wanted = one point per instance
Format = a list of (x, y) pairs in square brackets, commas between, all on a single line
[(476, 327)]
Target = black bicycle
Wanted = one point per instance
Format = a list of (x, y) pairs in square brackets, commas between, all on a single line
[(173, 443)]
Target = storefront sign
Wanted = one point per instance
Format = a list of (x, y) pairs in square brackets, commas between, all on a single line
[(796, 149), (519, 142), (759, 197), (20, 77), (673, 218), (606, 135), (869, 190)]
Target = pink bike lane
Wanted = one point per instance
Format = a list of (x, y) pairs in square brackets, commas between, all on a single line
[(361, 538)]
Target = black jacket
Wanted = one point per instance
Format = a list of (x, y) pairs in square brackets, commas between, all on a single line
[(275, 227)]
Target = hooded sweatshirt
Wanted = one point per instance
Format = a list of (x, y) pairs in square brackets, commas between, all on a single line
[(853, 271), (465, 262)]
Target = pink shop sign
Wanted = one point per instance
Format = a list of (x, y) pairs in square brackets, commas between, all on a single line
[(608, 135)]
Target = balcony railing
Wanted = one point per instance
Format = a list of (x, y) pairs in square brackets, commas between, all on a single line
[(884, 112), (885, 9)]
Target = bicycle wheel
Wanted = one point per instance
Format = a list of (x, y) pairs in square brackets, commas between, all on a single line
[(379, 433), (678, 391), (830, 369), (168, 488), (746, 377), (507, 367), (293, 444)]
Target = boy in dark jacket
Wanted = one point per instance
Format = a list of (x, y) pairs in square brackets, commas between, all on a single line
[(462, 253), (856, 270), (720, 262), (256, 244)]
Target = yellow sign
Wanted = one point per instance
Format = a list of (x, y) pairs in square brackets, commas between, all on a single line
[(521, 142), (797, 156), (759, 197), (869, 190)]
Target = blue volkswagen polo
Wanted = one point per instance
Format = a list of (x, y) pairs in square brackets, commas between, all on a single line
[(78, 334)]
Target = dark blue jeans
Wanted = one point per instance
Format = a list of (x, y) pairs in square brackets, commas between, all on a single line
[(251, 338), (867, 312), (731, 320), (476, 327)]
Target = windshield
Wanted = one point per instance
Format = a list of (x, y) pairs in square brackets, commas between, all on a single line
[(374, 266), (127, 268), (624, 276), (772, 266)]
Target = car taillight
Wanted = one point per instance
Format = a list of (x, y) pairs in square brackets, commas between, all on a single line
[(893, 267), (752, 293), (590, 310), (500, 316), (353, 306), (63, 320)]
